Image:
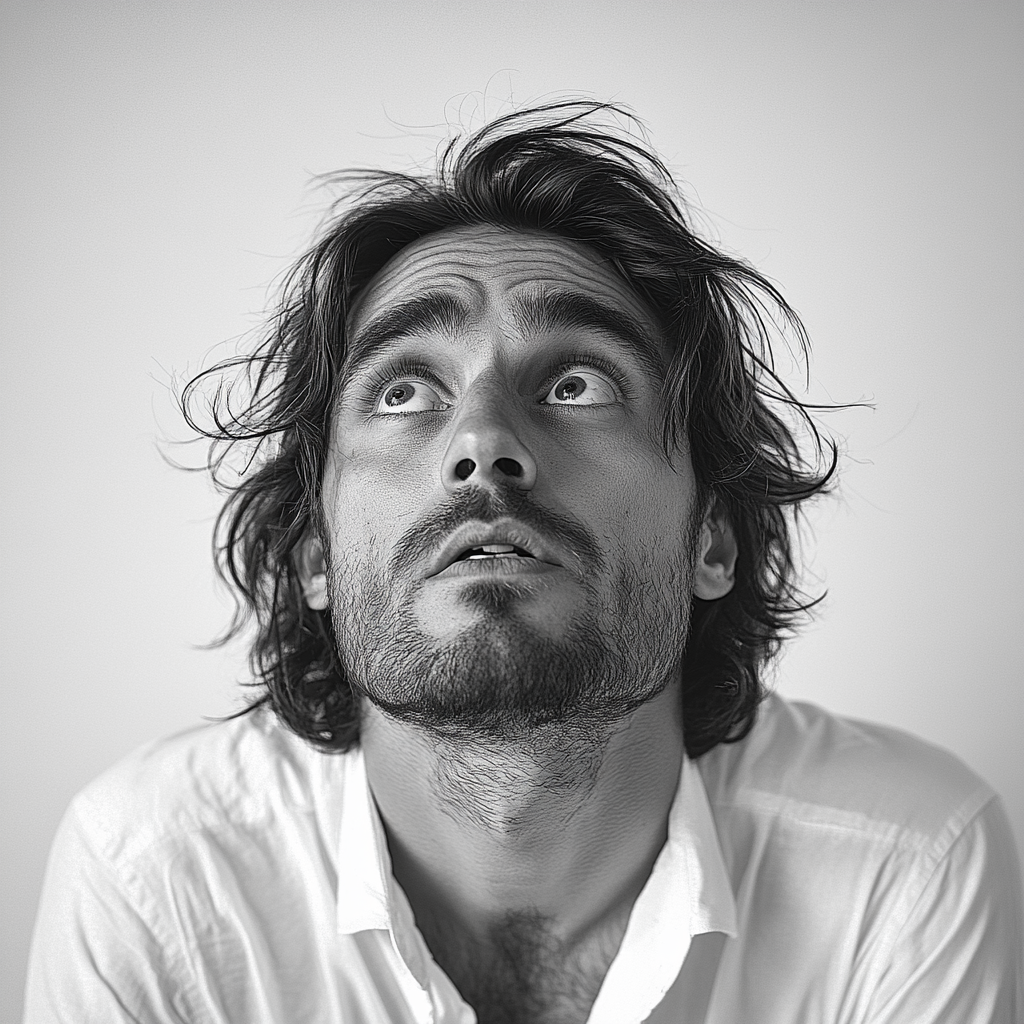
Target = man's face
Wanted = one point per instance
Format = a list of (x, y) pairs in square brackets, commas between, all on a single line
[(507, 544)]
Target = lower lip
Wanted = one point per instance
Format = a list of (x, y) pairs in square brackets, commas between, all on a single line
[(475, 568)]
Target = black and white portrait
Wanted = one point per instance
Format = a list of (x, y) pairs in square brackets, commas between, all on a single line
[(512, 513)]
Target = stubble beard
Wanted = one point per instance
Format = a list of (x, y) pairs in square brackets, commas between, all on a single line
[(501, 681)]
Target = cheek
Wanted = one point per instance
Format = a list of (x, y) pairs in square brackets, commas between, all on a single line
[(373, 495), (650, 511), (401, 456)]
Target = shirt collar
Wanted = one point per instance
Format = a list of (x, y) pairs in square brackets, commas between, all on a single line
[(688, 891), (364, 864), (693, 838), (369, 898)]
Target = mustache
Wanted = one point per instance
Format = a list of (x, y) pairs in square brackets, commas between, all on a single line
[(476, 504)]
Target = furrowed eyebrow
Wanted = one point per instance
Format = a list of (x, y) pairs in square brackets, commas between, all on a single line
[(432, 311), (539, 311)]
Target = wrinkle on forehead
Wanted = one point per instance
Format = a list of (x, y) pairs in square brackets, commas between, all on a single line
[(482, 265)]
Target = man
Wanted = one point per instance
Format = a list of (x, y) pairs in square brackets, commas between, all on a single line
[(518, 550)]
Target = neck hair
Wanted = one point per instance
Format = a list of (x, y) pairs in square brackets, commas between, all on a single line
[(520, 971), (504, 786)]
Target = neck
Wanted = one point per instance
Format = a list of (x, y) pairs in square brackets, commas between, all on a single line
[(562, 827)]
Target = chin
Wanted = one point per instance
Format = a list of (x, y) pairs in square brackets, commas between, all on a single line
[(498, 606), (499, 659), (501, 679), (494, 597)]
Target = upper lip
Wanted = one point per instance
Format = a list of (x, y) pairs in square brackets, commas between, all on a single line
[(505, 531)]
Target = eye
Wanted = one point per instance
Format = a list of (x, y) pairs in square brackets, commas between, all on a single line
[(581, 387), (410, 396)]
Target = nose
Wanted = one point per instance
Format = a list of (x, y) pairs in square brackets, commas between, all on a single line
[(486, 447)]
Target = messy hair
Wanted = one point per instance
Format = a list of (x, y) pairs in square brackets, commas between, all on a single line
[(569, 170)]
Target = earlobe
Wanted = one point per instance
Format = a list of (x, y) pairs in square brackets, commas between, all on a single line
[(313, 573), (715, 571)]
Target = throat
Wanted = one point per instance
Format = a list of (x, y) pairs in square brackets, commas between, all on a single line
[(522, 858), (513, 790)]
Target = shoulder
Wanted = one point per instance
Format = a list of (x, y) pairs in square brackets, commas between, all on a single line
[(881, 864), (806, 764), (188, 859), (234, 775)]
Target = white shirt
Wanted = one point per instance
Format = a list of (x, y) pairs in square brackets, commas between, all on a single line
[(818, 871)]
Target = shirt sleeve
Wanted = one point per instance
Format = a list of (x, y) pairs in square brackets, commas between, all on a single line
[(959, 956), (94, 958)]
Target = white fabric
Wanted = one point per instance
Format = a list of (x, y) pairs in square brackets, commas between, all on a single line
[(818, 871)]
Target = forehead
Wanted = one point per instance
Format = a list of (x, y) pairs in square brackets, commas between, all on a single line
[(486, 268)]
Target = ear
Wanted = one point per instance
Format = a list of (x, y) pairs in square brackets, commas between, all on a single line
[(312, 569), (715, 571)]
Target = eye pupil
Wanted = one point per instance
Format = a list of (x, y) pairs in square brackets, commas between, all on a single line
[(570, 387), (399, 394)]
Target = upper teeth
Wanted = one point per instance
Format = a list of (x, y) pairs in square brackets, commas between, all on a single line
[(491, 551)]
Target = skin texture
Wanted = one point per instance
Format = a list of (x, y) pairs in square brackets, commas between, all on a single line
[(521, 844)]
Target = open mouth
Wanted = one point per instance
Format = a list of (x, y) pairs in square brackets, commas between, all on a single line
[(508, 547), (493, 551)]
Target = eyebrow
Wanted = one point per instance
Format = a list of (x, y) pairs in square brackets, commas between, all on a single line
[(533, 311), (433, 311), (541, 310)]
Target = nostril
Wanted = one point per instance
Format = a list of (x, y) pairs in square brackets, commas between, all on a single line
[(464, 469), (509, 467)]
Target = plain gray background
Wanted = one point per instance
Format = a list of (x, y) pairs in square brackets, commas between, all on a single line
[(866, 156)]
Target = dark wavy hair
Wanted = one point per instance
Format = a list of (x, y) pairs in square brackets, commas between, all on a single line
[(570, 170)]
